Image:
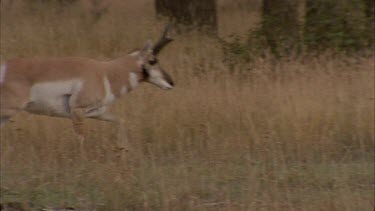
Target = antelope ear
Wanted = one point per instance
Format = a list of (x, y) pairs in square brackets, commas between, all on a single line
[(135, 53), (148, 48)]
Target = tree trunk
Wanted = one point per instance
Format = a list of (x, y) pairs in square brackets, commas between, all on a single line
[(370, 21), (280, 25), (197, 13)]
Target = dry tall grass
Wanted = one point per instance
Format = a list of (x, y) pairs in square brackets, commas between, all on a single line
[(291, 135)]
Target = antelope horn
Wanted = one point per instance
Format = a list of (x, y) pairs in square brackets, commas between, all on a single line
[(163, 41)]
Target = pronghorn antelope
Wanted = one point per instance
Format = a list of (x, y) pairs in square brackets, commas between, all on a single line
[(78, 88)]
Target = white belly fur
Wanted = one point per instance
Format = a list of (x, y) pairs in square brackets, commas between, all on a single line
[(52, 98)]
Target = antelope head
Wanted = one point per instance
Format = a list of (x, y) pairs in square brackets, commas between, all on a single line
[(152, 72)]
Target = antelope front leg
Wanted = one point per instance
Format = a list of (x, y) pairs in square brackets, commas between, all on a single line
[(122, 145), (122, 140), (77, 120)]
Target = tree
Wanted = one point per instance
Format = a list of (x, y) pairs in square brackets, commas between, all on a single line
[(369, 6), (198, 13), (330, 24), (280, 25)]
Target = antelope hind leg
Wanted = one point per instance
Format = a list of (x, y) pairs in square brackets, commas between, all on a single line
[(77, 117)]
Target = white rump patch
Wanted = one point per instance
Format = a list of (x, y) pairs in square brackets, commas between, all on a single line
[(109, 97), (3, 71), (133, 79)]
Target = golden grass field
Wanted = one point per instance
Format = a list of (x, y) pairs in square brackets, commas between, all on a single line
[(297, 134)]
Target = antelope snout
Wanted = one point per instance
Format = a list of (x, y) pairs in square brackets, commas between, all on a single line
[(168, 86)]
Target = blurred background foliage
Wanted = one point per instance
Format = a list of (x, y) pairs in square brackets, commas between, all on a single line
[(273, 107), (286, 27), (313, 27)]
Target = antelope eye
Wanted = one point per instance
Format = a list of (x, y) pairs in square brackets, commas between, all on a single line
[(145, 72), (152, 62)]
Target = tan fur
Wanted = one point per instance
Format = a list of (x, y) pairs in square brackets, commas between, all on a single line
[(77, 88), (99, 83), (22, 74)]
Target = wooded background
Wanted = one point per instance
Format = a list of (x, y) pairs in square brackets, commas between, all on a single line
[(286, 26), (273, 108)]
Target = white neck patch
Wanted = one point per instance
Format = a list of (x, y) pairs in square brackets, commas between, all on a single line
[(109, 97), (3, 71), (133, 79), (124, 90)]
